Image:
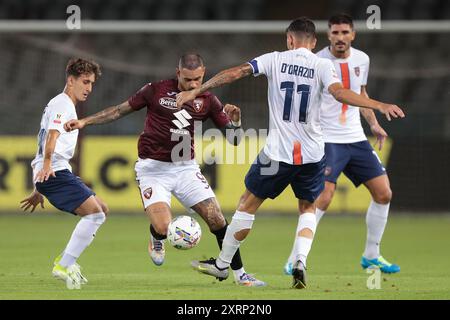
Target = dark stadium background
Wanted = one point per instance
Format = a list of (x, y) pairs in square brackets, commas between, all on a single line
[(409, 69)]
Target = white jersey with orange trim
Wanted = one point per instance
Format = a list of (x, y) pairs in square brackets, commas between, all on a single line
[(297, 80), (59, 110), (341, 123)]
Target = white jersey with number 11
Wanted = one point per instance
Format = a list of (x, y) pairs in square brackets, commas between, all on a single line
[(297, 80)]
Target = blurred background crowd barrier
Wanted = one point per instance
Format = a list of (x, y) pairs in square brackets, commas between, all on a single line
[(409, 66)]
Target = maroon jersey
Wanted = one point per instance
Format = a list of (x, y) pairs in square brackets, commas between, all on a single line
[(164, 118)]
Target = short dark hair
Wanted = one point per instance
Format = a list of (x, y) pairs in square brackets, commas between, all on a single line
[(340, 18), (77, 66), (303, 27), (190, 61)]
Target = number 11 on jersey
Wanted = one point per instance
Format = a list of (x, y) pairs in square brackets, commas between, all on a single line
[(304, 91)]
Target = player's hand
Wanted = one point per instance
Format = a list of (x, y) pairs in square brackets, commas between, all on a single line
[(233, 112), (32, 201), (73, 125), (44, 174), (184, 97), (381, 135), (391, 110)]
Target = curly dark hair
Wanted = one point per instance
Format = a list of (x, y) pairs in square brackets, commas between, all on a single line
[(77, 66)]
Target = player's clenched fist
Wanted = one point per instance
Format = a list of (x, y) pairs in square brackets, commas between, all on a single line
[(184, 97), (73, 125), (233, 112)]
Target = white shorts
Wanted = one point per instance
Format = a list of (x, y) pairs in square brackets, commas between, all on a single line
[(158, 180)]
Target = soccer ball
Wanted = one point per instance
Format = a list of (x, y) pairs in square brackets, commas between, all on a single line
[(184, 232)]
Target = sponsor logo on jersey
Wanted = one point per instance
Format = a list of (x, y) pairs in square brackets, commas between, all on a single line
[(198, 105), (327, 171), (147, 193), (173, 93), (357, 71), (182, 119), (179, 131), (169, 103)]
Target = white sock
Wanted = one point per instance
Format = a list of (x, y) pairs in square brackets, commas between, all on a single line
[(376, 220), (81, 238), (319, 214), (302, 245), (238, 273), (67, 260), (240, 221)]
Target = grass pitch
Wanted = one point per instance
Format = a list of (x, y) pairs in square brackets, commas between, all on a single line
[(118, 267)]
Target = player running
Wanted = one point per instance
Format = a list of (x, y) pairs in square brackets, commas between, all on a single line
[(163, 168), (346, 147), (297, 79), (52, 173)]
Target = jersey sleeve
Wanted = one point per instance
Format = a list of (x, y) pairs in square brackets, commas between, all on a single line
[(141, 98), (262, 64), (57, 116), (327, 73), (217, 114)]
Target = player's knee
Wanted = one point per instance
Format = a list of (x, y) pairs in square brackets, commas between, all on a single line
[(383, 197), (105, 208), (161, 226)]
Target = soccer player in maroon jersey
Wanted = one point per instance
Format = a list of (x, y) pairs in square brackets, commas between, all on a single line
[(162, 169)]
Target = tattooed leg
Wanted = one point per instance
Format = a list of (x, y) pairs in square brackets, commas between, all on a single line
[(210, 211)]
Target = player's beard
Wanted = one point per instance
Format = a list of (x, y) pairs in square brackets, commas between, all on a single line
[(338, 47)]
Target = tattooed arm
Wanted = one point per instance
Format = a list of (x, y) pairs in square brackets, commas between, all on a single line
[(105, 116), (223, 77)]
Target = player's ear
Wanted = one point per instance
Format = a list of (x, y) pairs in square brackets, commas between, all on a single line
[(353, 34), (289, 40), (313, 43), (69, 80)]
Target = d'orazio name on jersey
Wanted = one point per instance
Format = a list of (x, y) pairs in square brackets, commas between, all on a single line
[(297, 70)]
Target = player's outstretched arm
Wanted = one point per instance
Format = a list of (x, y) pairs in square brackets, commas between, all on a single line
[(349, 97), (50, 144), (223, 77), (32, 201), (105, 116)]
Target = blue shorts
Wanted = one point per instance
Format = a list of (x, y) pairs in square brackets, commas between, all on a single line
[(358, 161), (307, 180), (66, 191)]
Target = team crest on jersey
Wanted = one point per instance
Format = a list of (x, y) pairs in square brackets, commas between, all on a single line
[(148, 193), (198, 105), (357, 71), (58, 119)]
